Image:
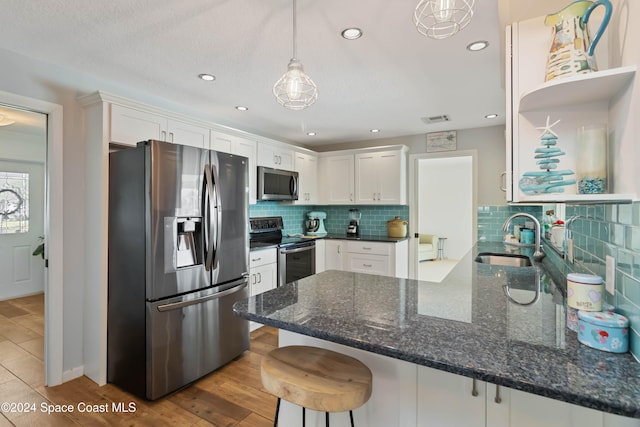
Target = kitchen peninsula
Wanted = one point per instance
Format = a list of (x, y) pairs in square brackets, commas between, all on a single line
[(460, 352)]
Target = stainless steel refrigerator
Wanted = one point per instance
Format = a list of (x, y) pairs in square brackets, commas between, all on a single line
[(178, 261)]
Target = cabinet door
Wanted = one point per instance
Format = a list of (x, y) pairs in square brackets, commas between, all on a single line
[(307, 167), (275, 157), (380, 178), (367, 176), (221, 142), (446, 399), (129, 126), (391, 176), (336, 179), (335, 251), (187, 134), (520, 409), (263, 278)]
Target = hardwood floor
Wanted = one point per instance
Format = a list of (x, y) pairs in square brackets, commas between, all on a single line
[(231, 396)]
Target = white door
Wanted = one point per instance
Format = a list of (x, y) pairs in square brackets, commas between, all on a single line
[(21, 226)]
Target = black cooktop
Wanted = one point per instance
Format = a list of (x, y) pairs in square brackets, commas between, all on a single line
[(267, 231)]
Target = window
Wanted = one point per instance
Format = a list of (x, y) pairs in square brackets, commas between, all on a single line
[(14, 202)]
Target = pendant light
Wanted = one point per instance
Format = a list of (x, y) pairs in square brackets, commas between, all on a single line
[(295, 90), (440, 19)]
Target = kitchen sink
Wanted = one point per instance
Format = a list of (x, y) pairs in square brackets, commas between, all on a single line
[(507, 260)]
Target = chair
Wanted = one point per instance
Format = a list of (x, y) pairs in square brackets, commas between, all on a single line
[(427, 247), (316, 378)]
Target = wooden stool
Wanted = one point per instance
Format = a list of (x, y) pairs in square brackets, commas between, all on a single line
[(316, 378)]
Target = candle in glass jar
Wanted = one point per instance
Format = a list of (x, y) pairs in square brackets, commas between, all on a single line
[(592, 159)]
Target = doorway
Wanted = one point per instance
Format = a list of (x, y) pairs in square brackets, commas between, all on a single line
[(33, 182), (22, 181), (443, 188)]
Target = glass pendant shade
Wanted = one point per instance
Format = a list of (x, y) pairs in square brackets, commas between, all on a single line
[(295, 90), (440, 19)]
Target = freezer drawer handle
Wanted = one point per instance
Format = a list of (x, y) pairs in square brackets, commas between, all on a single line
[(176, 305)]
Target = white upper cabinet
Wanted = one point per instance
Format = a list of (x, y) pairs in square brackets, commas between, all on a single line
[(336, 179), (365, 177), (242, 147), (600, 97), (307, 167), (380, 177), (129, 126), (275, 156)]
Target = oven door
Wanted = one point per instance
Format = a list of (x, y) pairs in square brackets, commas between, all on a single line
[(296, 261)]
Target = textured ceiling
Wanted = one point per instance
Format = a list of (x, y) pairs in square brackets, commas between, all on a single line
[(388, 79)]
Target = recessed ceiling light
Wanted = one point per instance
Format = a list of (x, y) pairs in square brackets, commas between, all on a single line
[(352, 33), (374, 130), (476, 46), (491, 116), (311, 133), (207, 77), (241, 108)]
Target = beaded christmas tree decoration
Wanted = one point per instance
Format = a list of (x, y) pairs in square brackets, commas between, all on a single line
[(549, 179)]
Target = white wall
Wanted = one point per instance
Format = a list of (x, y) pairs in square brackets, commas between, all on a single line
[(446, 202)]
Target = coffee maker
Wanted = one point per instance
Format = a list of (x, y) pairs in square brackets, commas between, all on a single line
[(353, 229), (315, 224)]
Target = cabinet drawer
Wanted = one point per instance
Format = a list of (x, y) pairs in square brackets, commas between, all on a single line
[(372, 264), (262, 257), (374, 248)]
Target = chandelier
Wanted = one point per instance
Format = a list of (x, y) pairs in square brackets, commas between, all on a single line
[(295, 90), (440, 19)]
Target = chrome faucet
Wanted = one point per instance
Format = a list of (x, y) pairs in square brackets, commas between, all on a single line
[(538, 254)]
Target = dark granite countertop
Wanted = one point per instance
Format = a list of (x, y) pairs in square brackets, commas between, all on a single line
[(465, 325)]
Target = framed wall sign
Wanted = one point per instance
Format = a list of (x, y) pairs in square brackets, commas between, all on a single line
[(441, 141)]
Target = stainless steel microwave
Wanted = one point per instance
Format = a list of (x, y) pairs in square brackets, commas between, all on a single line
[(277, 184)]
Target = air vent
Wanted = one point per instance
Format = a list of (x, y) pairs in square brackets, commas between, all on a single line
[(436, 119)]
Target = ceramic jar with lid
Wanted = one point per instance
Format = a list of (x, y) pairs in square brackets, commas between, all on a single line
[(604, 330), (584, 291), (397, 227)]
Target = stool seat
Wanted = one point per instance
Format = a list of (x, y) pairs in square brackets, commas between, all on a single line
[(316, 378)]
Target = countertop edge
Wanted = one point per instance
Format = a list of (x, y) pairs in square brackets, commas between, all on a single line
[(612, 407)]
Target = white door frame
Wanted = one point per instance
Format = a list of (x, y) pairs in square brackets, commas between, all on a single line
[(53, 229), (414, 209)]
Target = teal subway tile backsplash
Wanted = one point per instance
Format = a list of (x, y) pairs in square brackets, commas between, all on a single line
[(491, 219), (611, 230), (600, 230), (373, 219)]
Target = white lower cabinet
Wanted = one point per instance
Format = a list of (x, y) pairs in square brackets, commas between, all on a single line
[(335, 254), (382, 258), (450, 400), (263, 274), (442, 395), (521, 409)]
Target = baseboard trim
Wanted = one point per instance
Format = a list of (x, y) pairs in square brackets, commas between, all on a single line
[(72, 374)]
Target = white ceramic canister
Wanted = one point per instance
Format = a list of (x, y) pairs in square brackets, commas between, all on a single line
[(584, 291)]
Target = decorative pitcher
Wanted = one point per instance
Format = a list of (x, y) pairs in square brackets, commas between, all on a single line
[(572, 49)]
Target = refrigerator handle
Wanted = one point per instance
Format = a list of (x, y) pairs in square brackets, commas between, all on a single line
[(181, 304), (208, 207), (217, 217)]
